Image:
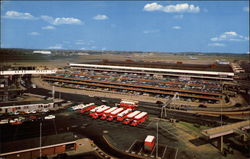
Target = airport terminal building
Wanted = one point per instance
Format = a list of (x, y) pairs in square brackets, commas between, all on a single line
[(192, 82)]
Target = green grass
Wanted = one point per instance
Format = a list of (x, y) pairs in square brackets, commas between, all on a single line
[(193, 127)]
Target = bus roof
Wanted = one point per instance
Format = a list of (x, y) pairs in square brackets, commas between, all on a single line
[(110, 110), (102, 109), (124, 112), (131, 115), (117, 111), (149, 138), (142, 114)]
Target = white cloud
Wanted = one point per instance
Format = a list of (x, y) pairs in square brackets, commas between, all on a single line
[(153, 7), (217, 44), (34, 33), (18, 15), (230, 36), (86, 43), (151, 31), (178, 16), (100, 17), (57, 46), (49, 27), (178, 8), (63, 20), (47, 18), (59, 21), (80, 42), (246, 9), (176, 27)]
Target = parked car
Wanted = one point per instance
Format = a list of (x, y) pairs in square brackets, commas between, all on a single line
[(33, 111), (33, 117), (45, 110), (27, 111), (16, 113), (50, 117)]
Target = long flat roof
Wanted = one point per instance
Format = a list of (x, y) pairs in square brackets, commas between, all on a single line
[(226, 129), (155, 69), (21, 72), (33, 143), (24, 103)]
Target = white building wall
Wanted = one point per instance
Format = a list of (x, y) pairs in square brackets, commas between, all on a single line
[(8, 109), (21, 72)]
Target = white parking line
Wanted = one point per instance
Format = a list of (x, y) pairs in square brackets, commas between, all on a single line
[(164, 151), (140, 150), (176, 153), (149, 124), (152, 150), (131, 145)]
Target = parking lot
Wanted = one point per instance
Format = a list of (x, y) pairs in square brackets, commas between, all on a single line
[(189, 90), (164, 151)]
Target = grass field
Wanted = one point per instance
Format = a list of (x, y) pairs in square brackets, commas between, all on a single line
[(63, 59)]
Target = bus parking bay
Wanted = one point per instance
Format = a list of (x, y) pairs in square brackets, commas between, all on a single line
[(164, 151)]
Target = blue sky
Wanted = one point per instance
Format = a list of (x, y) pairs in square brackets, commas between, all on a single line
[(176, 26)]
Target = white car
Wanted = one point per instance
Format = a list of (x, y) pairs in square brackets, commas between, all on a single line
[(33, 111), (44, 110), (50, 117), (14, 120), (27, 111), (16, 113)]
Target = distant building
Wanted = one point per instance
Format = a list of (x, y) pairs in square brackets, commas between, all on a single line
[(51, 145), (193, 58), (42, 52), (82, 53), (222, 62), (13, 107)]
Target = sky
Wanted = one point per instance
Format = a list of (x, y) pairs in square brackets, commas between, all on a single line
[(165, 26)]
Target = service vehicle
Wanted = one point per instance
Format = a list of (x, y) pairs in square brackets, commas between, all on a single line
[(149, 143)]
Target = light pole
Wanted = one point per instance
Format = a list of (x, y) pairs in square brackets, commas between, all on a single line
[(221, 104), (53, 92), (157, 139), (40, 139)]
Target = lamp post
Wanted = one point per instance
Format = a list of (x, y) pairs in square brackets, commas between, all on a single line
[(40, 140)]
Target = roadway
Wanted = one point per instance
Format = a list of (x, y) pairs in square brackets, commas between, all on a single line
[(84, 126), (150, 107)]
